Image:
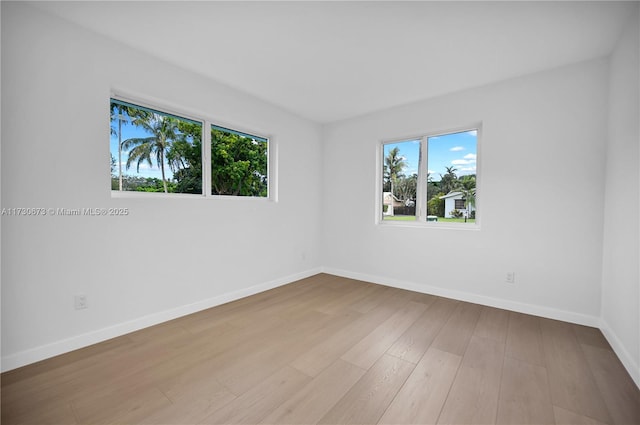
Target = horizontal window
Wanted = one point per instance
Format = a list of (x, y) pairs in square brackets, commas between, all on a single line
[(432, 178), (158, 151)]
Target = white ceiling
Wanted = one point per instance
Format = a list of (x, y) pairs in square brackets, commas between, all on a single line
[(328, 61)]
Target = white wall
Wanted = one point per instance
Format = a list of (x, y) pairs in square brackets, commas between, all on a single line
[(620, 271), (543, 143), (169, 256)]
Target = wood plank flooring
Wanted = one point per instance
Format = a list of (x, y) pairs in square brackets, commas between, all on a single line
[(330, 350)]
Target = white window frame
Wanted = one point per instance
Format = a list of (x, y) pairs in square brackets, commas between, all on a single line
[(421, 190), (207, 123)]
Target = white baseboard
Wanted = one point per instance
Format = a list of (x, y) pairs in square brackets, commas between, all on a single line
[(36, 354), (536, 310), (631, 364), (43, 352), (627, 360)]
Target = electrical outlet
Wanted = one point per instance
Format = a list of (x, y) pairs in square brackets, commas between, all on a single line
[(80, 302), (510, 277)]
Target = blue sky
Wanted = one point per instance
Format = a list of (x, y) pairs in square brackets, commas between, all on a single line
[(456, 149)]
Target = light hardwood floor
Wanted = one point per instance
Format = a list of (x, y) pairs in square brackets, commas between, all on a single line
[(329, 350)]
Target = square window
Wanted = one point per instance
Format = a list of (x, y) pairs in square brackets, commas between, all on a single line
[(154, 151), (432, 178)]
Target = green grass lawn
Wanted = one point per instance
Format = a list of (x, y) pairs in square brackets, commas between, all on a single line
[(413, 218)]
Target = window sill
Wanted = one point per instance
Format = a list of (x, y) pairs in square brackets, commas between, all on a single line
[(429, 225), (116, 194)]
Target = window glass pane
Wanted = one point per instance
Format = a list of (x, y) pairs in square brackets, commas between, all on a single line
[(400, 180), (239, 163), (153, 151), (451, 178)]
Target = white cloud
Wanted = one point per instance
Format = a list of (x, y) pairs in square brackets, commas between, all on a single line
[(468, 159), (143, 166), (146, 166), (456, 149), (462, 161), (472, 132), (410, 170)]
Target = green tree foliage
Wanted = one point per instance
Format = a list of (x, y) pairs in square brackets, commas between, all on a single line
[(449, 181), (141, 184), (433, 189), (238, 165), (406, 187), (185, 157), (467, 182), (435, 205), (394, 164)]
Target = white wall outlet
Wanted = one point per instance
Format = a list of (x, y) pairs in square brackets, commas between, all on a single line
[(80, 302), (510, 277)]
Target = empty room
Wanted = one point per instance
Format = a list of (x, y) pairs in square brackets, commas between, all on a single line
[(369, 212)]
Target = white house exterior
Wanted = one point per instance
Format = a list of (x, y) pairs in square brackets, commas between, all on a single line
[(454, 201), (387, 199)]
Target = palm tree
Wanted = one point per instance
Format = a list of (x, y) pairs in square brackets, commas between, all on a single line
[(393, 166), (469, 196), (125, 114), (451, 170), (163, 131), (448, 182), (117, 111), (467, 182)]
